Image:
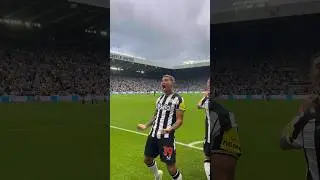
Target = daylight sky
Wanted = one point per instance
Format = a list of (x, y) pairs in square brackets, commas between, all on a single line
[(167, 31)]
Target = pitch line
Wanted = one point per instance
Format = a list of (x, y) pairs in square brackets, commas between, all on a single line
[(196, 142), (143, 134)]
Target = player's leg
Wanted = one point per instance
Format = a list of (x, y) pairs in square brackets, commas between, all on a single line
[(96, 99), (206, 163), (224, 166), (83, 101), (174, 172), (168, 155), (225, 151), (92, 99), (152, 165), (150, 153)]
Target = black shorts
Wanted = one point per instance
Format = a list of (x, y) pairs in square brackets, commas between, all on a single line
[(164, 147), (227, 143)]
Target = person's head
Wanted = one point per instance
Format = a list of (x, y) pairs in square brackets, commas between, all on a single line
[(314, 98), (167, 83), (315, 71), (208, 85)]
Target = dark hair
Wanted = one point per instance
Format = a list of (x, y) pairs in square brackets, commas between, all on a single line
[(170, 77), (315, 74), (314, 97)]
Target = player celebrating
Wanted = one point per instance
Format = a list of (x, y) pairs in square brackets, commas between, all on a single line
[(203, 104), (167, 118), (304, 131), (224, 141)]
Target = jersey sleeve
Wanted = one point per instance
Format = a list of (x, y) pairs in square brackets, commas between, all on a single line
[(288, 140), (157, 101), (181, 105), (202, 103), (292, 134)]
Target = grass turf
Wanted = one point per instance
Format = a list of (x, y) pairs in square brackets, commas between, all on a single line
[(50, 141), (260, 124)]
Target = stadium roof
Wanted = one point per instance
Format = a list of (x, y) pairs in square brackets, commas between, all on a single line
[(52, 17), (117, 56), (223, 11), (193, 64)]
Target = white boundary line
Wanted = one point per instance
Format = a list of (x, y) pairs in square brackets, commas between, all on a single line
[(196, 142), (143, 134)]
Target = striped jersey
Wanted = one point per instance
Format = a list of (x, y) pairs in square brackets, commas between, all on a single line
[(166, 107), (220, 119), (304, 132), (204, 104)]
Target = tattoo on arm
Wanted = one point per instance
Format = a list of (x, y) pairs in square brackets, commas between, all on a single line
[(179, 121), (150, 122), (176, 125)]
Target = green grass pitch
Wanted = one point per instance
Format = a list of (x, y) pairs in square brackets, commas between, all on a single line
[(65, 141), (260, 124)]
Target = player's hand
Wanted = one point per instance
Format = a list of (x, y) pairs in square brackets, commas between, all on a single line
[(167, 131), (141, 127)]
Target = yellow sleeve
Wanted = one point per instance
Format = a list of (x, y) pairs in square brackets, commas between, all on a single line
[(182, 105), (292, 132), (288, 130)]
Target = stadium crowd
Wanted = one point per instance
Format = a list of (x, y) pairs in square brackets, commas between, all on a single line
[(263, 77), (273, 76), (135, 84), (63, 72), (276, 76), (42, 71)]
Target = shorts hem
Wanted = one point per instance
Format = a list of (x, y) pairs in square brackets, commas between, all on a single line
[(237, 156)]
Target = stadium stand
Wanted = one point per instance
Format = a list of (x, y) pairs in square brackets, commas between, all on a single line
[(130, 74), (52, 72), (269, 57), (36, 58)]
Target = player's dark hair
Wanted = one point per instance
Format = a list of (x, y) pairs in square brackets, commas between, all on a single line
[(315, 74), (170, 77), (314, 98)]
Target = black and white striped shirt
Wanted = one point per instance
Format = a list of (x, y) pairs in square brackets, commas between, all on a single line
[(220, 119), (304, 132), (166, 107), (205, 105)]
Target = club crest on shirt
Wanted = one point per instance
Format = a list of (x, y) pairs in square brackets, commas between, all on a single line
[(164, 107)]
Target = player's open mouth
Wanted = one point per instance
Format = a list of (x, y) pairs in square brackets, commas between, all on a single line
[(163, 86)]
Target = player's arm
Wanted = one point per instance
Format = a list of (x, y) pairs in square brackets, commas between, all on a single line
[(148, 124), (286, 140), (200, 104), (179, 117), (292, 133)]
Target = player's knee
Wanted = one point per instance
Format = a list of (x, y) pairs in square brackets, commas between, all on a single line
[(148, 161), (172, 168)]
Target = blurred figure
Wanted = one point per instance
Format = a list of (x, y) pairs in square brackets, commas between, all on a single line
[(204, 104), (224, 141), (303, 132)]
